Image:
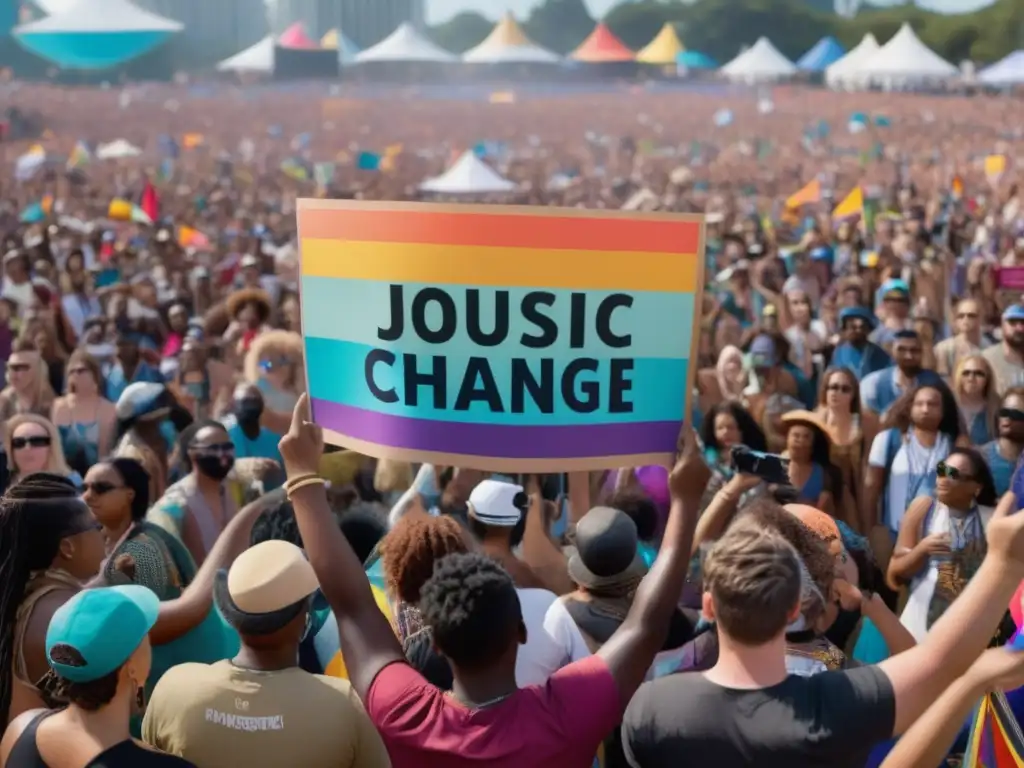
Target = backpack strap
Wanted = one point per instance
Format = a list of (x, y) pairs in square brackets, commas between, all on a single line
[(894, 440)]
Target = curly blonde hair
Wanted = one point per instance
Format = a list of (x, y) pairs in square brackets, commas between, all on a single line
[(276, 343)]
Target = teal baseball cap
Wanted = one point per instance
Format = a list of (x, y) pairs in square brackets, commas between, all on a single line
[(104, 626)]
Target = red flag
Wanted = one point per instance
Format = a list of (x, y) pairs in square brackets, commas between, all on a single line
[(150, 202)]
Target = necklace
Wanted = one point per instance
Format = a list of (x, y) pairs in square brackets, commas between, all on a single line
[(482, 704)]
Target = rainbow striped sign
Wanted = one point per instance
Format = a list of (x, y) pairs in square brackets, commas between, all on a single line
[(507, 339)]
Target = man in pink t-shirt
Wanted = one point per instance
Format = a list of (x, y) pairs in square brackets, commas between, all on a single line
[(472, 609)]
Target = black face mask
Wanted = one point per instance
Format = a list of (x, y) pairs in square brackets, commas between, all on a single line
[(215, 467), (248, 411)]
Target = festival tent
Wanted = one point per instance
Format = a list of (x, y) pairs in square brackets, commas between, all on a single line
[(663, 49), (826, 52), (846, 70), (905, 60), (95, 34), (405, 44), (468, 176), (761, 62), (696, 60), (602, 46), (117, 150), (50, 7), (295, 37), (1008, 71), (258, 58), (508, 44), (335, 40)]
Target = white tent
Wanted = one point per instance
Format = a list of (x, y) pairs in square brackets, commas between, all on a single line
[(846, 71), (761, 62), (508, 44), (50, 7), (468, 176), (1008, 71), (405, 44), (256, 58), (99, 16), (116, 150), (905, 60)]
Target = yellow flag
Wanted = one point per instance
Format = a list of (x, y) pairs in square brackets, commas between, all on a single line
[(192, 140), (995, 167), (809, 195), (852, 205), (119, 210)]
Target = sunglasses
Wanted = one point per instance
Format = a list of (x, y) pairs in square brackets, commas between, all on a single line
[(1013, 414), (216, 448), (942, 469), (967, 316), (974, 374), (269, 365), (100, 487), (846, 389), (18, 367), (34, 441)]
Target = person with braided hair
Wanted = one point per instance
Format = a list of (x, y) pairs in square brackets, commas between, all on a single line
[(49, 544)]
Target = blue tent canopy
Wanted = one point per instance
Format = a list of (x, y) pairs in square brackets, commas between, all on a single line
[(95, 34), (696, 60), (826, 52), (1009, 71)]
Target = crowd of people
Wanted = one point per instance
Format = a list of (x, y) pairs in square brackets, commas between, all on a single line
[(189, 576)]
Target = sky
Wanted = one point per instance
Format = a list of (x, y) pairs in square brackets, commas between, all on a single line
[(441, 10)]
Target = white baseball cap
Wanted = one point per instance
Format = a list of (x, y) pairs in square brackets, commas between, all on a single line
[(496, 503)]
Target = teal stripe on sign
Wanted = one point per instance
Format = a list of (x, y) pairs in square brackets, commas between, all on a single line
[(352, 310), (336, 373)]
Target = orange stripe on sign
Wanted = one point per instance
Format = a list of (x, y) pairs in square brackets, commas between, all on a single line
[(509, 230)]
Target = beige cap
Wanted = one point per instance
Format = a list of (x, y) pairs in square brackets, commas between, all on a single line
[(270, 576)]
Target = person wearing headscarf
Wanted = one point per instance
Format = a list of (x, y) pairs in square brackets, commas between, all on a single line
[(725, 382), (148, 420)]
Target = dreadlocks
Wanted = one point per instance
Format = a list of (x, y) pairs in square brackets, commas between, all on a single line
[(35, 514)]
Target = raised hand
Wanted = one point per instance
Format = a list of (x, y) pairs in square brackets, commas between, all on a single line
[(303, 445), (690, 475)]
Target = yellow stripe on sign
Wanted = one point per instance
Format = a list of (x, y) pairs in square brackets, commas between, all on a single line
[(475, 265)]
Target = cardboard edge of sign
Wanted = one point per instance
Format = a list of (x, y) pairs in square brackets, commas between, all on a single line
[(496, 463), (322, 204)]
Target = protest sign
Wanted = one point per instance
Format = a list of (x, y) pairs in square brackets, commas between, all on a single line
[(500, 338)]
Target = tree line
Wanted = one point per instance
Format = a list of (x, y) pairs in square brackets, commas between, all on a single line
[(720, 28)]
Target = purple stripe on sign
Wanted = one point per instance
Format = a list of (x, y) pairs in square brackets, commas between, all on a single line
[(503, 441)]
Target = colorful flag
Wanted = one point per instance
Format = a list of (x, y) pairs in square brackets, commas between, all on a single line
[(852, 205), (192, 238), (810, 194), (995, 167), (293, 169), (192, 140), (368, 161), (995, 740), (149, 202), (957, 187), (323, 174), (79, 157)]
